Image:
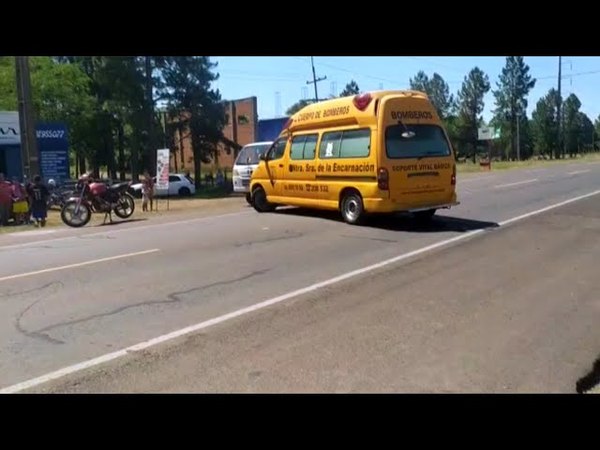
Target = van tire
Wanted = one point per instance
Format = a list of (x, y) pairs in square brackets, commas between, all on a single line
[(249, 198), (352, 208), (424, 216), (260, 202)]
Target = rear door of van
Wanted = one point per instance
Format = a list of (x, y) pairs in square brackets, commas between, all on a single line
[(416, 152)]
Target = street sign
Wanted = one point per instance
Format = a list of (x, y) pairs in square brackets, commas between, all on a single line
[(488, 133), (53, 145), (162, 169), (484, 134)]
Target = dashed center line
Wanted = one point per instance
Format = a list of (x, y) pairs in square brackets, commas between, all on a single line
[(518, 183), (576, 172)]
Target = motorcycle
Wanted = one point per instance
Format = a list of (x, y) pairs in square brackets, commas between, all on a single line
[(56, 199), (97, 197)]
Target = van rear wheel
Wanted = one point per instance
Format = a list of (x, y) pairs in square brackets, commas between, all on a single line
[(352, 208)]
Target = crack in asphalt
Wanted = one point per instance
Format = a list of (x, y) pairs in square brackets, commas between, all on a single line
[(369, 238), (36, 334), (171, 298), (280, 238), (29, 291)]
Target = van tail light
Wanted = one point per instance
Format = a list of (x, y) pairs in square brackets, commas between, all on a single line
[(453, 179), (362, 101), (383, 179)]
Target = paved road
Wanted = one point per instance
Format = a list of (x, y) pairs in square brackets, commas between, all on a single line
[(511, 309)]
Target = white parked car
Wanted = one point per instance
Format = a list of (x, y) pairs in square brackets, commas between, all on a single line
[(179, 185)]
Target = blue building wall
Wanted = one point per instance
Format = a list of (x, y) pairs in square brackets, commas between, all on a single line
[(269, 129)]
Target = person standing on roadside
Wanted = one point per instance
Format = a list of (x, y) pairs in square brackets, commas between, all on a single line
[(20, 205), (39, 194), (5, 200), (147, 192)]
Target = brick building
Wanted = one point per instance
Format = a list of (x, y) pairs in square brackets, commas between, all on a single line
[(242, 131)]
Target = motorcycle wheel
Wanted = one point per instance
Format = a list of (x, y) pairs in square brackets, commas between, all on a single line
[(126, 207), (70, 218)]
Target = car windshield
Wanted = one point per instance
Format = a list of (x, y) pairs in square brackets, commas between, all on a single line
[(251, 154), (415, 141)]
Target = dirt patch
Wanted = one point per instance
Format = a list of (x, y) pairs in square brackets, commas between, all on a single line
[(177, 207)]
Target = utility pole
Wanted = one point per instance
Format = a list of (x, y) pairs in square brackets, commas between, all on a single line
[(518, 136), (560, 147), (315, 80), (518, 107), (29, 149), (234, 127), (151, 142)]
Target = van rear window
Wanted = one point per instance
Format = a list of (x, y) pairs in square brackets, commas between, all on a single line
[(415, 141)]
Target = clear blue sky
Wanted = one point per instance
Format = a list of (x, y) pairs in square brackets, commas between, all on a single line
[(284, 77)]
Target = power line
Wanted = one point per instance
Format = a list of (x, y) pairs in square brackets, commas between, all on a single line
[(422, 58), (353, 72), (590, 72)]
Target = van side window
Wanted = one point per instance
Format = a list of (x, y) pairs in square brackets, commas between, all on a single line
[(304, 147), (278, 149), (355, 144), (330, 145), (346, 144)]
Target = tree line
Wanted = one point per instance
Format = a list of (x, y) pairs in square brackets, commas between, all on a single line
[(547, 134), (119, 110)]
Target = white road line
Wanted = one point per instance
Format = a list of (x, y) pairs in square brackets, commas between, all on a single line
[(123, 230), (576, 172), (547, 208), (81, 264), (264, 304), (533, 180), (461, 180)]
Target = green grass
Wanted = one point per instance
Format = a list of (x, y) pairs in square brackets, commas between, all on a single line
[(469, 167), (52, 221)]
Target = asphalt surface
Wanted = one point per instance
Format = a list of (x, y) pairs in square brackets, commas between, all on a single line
[(511, 309)]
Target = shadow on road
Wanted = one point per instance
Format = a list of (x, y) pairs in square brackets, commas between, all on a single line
[(400, 222), (120, 222), (590, 380)]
